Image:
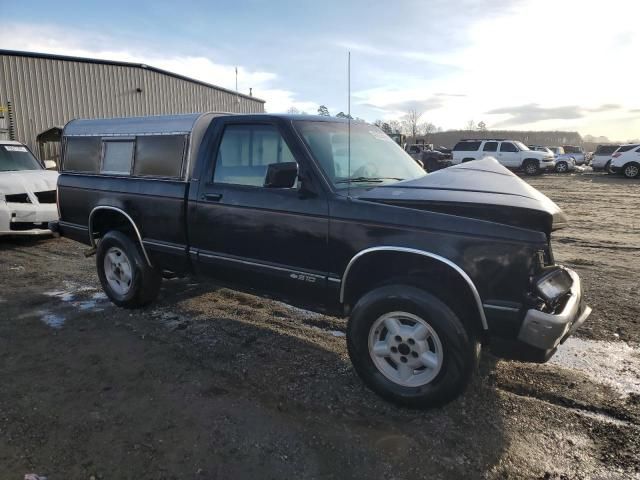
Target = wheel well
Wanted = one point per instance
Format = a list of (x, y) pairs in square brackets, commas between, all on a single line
[(376, 269), (103, 220), (527, 160), (464, 160)]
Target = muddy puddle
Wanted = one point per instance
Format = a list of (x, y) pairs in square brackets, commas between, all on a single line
[(616, 364)]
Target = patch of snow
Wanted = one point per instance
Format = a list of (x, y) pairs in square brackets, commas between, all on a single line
[(616, 364), (53, 320), (99, 296), (65, 296), (337, 333), (301, 312)]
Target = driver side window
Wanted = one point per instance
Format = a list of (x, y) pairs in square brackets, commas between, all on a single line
[(508, 147), (245, 152)]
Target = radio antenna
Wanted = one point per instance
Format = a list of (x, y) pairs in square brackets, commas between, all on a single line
[(349, 124)]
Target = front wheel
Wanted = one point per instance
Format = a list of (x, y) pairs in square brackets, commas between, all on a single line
[(607, 167), (631, 170), (562, 167), (410, 347), (531, 167), (125, 276)]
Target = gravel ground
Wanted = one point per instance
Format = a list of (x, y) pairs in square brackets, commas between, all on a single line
[(214, 384)]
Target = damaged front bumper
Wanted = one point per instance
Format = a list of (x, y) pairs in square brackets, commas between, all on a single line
[(545, 331), (26, 218)]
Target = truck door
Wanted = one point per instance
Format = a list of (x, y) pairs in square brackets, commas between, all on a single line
[(509, 155), (271, 239)]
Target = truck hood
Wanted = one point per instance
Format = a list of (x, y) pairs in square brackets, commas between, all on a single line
[(481, 189), (27, 181)]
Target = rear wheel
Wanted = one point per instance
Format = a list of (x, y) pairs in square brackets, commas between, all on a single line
[(531, 167), (410, 347), (562, 167), (631, 170), (125, 276)]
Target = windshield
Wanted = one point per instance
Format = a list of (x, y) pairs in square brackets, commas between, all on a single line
[(521, 145), (375, 158), (17, 157)]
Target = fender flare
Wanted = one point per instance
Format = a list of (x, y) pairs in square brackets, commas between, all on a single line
[(125, 215), (423, 253)]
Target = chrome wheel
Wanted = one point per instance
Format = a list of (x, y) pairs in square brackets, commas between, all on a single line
[(531, 168), (405, 349), (631, 171), (562, 167), (118, 271)]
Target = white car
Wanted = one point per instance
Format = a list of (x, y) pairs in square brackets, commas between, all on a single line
[(626, 160), (512, 154), (601, 158), (27, 192), (564, 162)]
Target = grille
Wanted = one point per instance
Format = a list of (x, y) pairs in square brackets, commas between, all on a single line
[(18, 198), (46, 197)]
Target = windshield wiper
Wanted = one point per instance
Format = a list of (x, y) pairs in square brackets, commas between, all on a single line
[(367, 179)]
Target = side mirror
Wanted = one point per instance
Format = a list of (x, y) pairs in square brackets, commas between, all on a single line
[(281, 175), (50, 165)]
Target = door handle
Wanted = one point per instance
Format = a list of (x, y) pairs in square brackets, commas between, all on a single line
[(212, 197)]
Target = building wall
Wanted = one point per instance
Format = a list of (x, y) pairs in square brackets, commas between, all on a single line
[(46, 92)]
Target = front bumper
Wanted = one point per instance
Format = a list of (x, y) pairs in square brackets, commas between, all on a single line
[(546, 331), (26, 218), (548, 165)]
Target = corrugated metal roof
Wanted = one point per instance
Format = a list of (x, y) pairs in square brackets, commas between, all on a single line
[(69, 58)]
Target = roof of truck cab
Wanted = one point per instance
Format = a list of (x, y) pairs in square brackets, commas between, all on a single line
[(168, 124), (148, 125)]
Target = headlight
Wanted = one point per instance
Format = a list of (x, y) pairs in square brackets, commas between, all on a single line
[(553, 284), (547, 159)]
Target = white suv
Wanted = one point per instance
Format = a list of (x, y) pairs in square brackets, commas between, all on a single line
[(626, 160), (510, 153)]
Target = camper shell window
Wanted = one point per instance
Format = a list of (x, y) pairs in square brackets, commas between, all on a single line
[(82, 154)]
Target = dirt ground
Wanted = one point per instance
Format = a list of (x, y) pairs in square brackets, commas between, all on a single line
[(213, 384)]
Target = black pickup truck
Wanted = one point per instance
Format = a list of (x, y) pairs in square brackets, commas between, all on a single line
[(333, 216)]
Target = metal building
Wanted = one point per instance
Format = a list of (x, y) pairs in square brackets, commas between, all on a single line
[(39, 92)]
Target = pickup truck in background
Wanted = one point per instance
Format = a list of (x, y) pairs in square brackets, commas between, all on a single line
[(428, 267)]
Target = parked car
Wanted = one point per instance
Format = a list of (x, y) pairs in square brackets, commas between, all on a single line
[(577, 153), (512, 154), (427, 266), (434, 160), (601, 159), (564, 163), (626, 160), (27, 191)]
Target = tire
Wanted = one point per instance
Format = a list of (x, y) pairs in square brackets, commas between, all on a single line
[(531, 167), (607, 167), (451, 351), (126, 278), (562, 167), (631, 170)]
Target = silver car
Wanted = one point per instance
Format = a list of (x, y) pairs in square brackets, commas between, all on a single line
[(564, 161)]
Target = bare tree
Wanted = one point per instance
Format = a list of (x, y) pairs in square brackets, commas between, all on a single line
[(396, 126), (410, 122), (470, 126), (293, 110), (427, 128), (482, 127)]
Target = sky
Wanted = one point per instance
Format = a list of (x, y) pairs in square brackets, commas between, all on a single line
[(513, 64)]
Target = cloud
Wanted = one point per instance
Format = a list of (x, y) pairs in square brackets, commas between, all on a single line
[(605, 107), (532, 113)]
